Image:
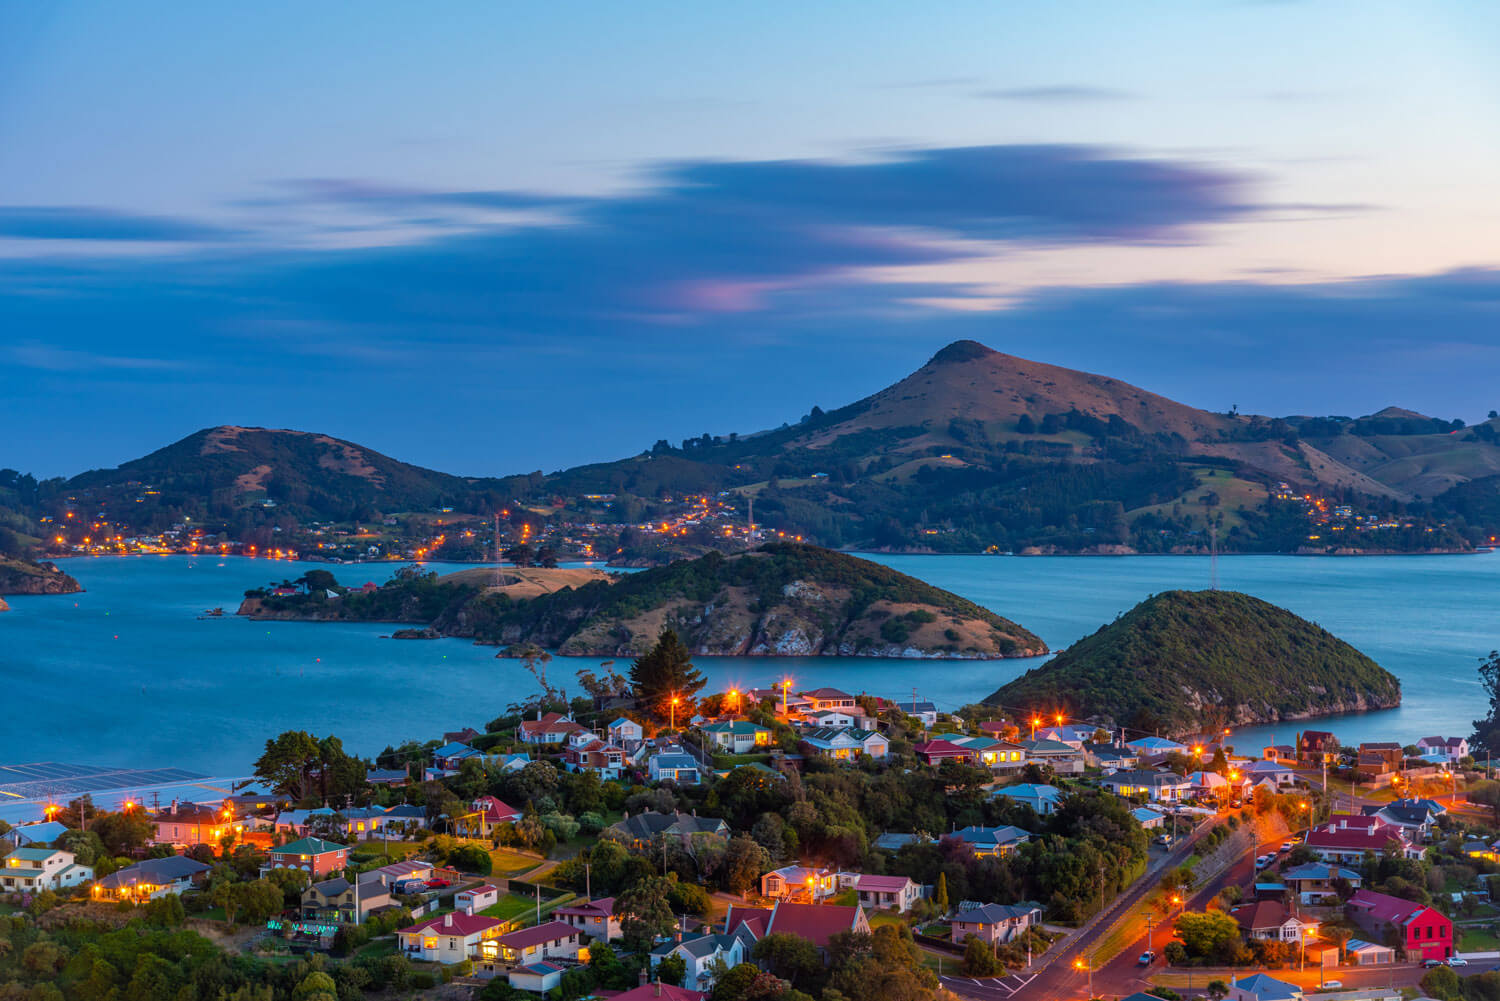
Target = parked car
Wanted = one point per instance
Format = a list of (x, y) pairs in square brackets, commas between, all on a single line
[(1287, 846), (1428, 964), (1261, 861), (1457, 961), (1147, 958), (410, 886), (1332, 985), (437, 884)]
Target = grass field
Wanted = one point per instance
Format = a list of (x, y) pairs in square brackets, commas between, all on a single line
[(504, 862), (1478, 940), (1233, 493), (509, 907)]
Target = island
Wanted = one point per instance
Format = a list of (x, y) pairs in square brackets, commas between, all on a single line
[(783, 599), (1184, 662), (20, 576)]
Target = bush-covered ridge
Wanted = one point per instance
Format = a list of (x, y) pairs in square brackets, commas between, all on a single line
[(1183, 661)]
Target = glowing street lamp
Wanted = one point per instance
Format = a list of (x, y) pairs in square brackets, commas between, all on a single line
[(1059, 717), (673, 724), (734, 693), (1036, 721), (786, 687), (1082, 964)]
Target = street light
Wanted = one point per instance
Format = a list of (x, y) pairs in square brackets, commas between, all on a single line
[(672, 725), (1082, 964), (1036, 721), (786, 686), (734, 693)]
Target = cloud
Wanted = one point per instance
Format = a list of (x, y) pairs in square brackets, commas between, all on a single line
[(1058, 93), (79, 223)]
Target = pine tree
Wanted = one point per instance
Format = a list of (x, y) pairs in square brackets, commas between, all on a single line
[(940, 894), (665, 673)]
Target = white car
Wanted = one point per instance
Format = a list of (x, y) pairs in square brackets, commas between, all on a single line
[(1457, 961), (1261, 861), (1332, 985)]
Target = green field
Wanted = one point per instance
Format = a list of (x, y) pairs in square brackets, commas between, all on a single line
[(510, 907)]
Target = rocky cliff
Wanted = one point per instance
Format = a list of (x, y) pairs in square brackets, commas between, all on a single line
[(23, 577)]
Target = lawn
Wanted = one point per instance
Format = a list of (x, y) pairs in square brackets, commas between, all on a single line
[(878, 918), (510, 907), (735, 760), (1478, 939), (378, 948), (506, 863)]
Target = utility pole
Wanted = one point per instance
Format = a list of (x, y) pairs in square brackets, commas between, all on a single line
[(497, 549)]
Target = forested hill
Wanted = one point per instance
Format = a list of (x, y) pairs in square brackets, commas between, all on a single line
[(783, 599), (1185, 661)]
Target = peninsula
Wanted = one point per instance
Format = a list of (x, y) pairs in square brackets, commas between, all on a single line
[(19, 576), (784, 599)]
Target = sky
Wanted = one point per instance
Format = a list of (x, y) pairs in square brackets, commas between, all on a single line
[(493, 238)]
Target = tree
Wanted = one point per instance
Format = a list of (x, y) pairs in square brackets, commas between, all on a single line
[(980, 959), (288, 763), (471, 858), (1443, 984), (124, 832), (671, 970), (1210, 934), (747, 982), (744, 861), (1487, 730), (316, 986), (666, 672), (940, 894), (790, 957), (645, 913)]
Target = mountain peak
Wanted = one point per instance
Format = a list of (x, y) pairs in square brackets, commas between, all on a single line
[(961, 351)]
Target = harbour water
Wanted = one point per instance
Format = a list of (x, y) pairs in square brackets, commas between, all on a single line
[(128, 674)]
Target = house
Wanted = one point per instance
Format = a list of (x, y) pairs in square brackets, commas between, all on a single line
[(935, 752), (152, 878), (1279, 752), (513, 762), (991, 923), (476, 898), (551, 940), (1259, 987), (1148, 818), (1109, 758), (1313, 882), (923, 712), (1062, 758), (888, 893), (484, 816), (815, 922), (674, 765), (639, 831), (553, 728), (623, 731), (313, 855), (1275, 771), (1422, 932), (594, 755), (1205, 785), (403, 819), (1452, 748), (1074, 736), (1159, 787), (41, 833), (1412, 816), (391, 777), (829, 698), (893, 842), (1381, 757), (447, 938), (465, 736), (1346, 838), (398, 872), (738, 737), (363, 823), (1155, 747), (187, 824), (702, 954), (450, 757), (1314, 747), (1268, 920), (538, 978), (1041, 798), (799, 881), (991, 841), (844, 743), (595, 918), (997, 755), (338, 901), (660, 992), (31, 870)]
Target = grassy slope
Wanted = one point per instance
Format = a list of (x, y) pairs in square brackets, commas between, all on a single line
[(1257, 660)]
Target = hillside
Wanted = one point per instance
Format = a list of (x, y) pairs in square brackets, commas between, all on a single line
[(780, 600), (25, 577), (1185, 661)]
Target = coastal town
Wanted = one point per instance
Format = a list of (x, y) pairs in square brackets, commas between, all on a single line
[(654, 840)]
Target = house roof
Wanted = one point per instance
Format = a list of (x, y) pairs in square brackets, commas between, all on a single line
[(815, 922), (1146, 815), (541, 968), (1318, 870), (659, 992), (997, 836), (993, 914), (883, 884), (1264, 988), (1143, 777), (455, 923), (603, 907), (33, 854), (155, 872), (455, 750), (826, 693), (739, 726), (1260, 915), (942, 747), (1155, 744), (527, 937), (45, 831), (309, 846), (494, 810), (644, 825), (1388, 909), (756, 919), (1029, 790)]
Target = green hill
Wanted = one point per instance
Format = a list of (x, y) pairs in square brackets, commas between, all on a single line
[(1185, 661)]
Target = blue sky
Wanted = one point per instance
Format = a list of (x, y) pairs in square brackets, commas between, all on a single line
[(494, 238)]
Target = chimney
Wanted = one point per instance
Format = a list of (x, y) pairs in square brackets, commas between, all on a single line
[(644, 977), (448, 920)]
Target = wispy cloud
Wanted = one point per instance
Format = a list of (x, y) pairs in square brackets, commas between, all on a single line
[(1057, 93), (82, 223)]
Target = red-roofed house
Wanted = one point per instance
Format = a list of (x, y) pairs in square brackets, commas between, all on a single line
[(476, 898), (829, 698), (816, 922), (935, 752), (485, 814), (891, 893), (552, 728), (595, 917), (1424, 932), (1346, 837), (755, 919), (552, 940), (595, 756), (447, 938)]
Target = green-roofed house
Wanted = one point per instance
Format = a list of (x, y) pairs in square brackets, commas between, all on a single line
[(313, 856), (739, 737), (846, 743), (31, 870)]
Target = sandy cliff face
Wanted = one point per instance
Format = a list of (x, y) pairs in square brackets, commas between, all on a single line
[(18, 577)]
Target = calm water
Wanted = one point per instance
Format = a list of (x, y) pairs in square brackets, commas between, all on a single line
[(126, 674)]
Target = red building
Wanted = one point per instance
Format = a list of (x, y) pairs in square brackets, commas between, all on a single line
[(1424, 932), (312, 855), (935, 752)]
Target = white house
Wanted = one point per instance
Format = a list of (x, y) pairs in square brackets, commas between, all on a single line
[(1452, 748), (1159, 787), (700, 954), (33, 869), (551, 940), (738, 737), (992, 923), (843, 743), (676, 765), (799, 882), (447, 938), (1154, 746), (476, 898), (624, 729), (1040, 797), (888, 893), (151, 878), (595, 918), (538, 978), (829, 698)]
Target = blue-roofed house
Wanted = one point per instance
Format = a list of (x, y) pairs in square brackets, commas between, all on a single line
[(1316, 881), (1148, 818), (1259, 987), (1041, 798), (450, 757), (924, 712), (43, 833), (514, 762), (1273, 771), (387, 777), (676, 765), (987, 841), (1153, 746)]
